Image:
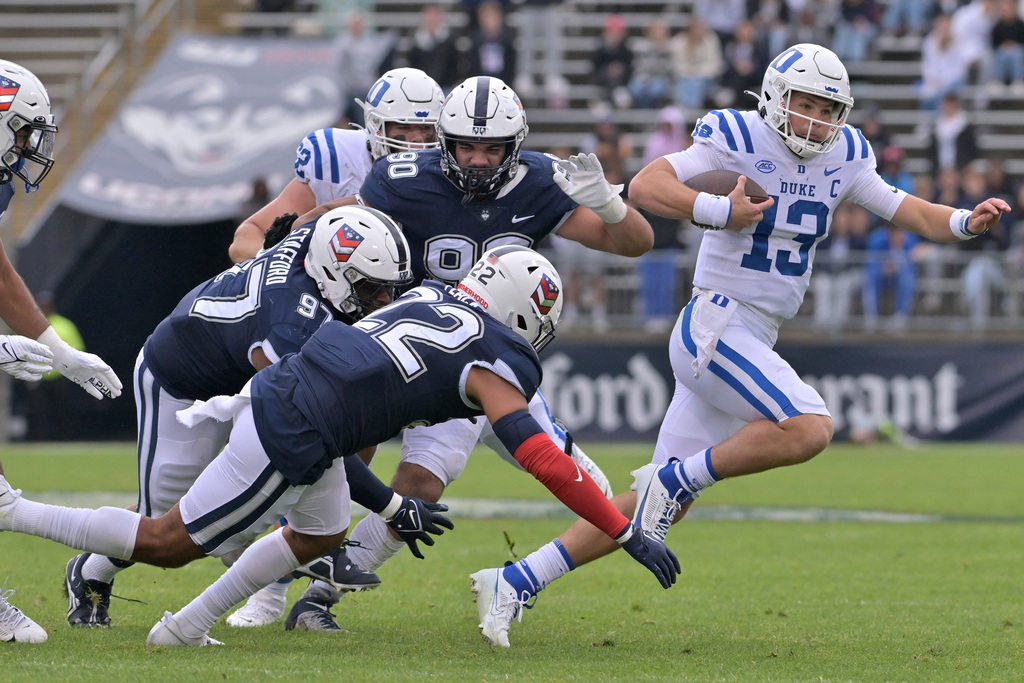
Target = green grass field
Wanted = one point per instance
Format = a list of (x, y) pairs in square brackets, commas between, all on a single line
[(928, 591)]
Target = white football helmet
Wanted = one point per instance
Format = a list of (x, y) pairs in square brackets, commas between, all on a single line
[(25, 114), (355, 254), (811, 69), (401, 96), (481, 109), (520, 288)]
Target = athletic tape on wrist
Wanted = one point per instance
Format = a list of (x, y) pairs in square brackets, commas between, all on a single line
[(613, 212), (712, 210), (958, 224)]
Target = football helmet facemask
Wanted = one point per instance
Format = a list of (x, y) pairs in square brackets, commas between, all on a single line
[(481, 109), (520, 288), (27, 131), (810, 69), (403, 95), (355, 254)]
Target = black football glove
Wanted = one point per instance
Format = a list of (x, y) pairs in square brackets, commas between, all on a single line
[(279, 229), (417, 519), (653, 554)]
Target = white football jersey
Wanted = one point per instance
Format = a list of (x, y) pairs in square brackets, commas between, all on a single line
[(768, 266), (333, 162)]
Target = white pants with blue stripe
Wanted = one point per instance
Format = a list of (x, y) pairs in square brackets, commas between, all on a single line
[(745, 381), (240, 495)]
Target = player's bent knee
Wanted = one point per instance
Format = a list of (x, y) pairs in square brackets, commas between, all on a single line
[(164, 542), (815, 436), (418, 481)]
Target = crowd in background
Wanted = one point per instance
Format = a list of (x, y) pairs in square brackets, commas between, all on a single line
[(971, 50)]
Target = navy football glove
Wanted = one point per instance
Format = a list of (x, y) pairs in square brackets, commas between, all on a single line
[(653, 554), (417, 519)]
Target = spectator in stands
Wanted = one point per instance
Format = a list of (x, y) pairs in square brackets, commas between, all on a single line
[(839, 267), (697, 54), (361, 55), (876, 132), (983, 273), (812, 22), (953, 141), (972, 25), (943, 67), (613, 62), (489, 49), (1008, 49), (721, 16), (258, 198), (856, 29), (471, 10), (745, 62), (432, 47), (653, 78), (540, 51), (772, 18), (332, 16), (889, 267), (998, 181), (890, 167), (906, 17), (658, 268)]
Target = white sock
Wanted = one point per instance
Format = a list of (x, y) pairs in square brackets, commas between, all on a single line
[(99, 568), (267, 560), (695, 472), (107, 531), (540, 568), (376, 545)]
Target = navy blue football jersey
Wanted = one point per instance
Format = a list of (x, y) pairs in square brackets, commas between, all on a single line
[(404, 365), (447, 236), (202, 348)]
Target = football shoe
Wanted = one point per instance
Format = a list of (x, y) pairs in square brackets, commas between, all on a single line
[(166, 632), (88, 601), (15, 627), (312, 612), (342, 573), (263, 608), (497, 603), (656, 506)]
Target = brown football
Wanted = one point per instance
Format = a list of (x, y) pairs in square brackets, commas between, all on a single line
[(722, 182)]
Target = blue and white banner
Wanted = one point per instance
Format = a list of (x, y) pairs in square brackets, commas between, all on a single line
[(213, 114), (619, 392)]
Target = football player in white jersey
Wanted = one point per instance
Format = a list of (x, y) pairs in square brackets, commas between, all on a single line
[(738, 407), (27, 135), (400, 110)]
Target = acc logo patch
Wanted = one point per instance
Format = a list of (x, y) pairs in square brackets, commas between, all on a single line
[(545, 295), (344, 243), (765, 166)]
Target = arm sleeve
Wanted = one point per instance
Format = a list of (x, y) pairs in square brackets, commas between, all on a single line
[(367, 489), (532, 448)]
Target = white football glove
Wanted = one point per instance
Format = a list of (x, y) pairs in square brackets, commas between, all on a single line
[(582, 178), (24, 358), (87, 370)]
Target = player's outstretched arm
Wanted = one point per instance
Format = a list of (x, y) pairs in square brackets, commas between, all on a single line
[(411, 518), (296, 197), (942, 223), (605, 222)]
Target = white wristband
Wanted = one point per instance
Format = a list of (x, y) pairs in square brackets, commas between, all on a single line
[(625, 535), (392, 508), (958, 224), (711, 210), (613, 212), (50, 338)]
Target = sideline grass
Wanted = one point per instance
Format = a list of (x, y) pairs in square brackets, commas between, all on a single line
[(758, 601)]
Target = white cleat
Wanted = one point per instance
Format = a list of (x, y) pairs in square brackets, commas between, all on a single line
[(497, 603), (656, 508), (15, 627), (8, 500), (168, 633), (265, 607)]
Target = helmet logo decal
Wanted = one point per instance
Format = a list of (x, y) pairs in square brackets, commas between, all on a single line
[(344, 243), (545, 295), (376, 93), (8, 91)]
